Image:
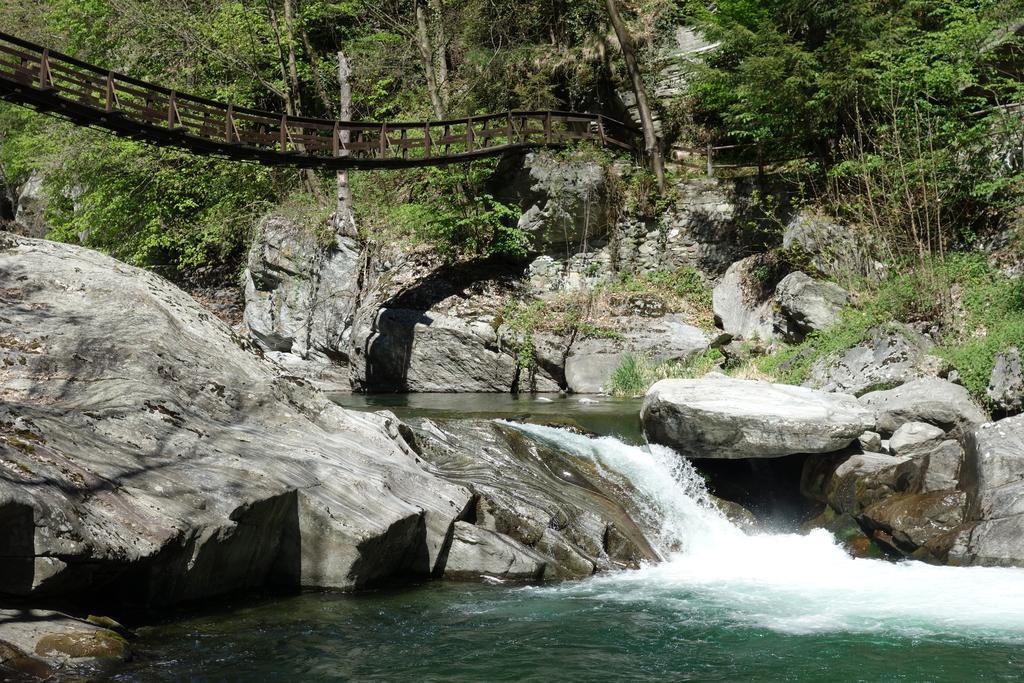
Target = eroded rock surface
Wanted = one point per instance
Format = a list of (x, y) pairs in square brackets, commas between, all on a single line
[(148, 455), (934, 401), (891, 355)]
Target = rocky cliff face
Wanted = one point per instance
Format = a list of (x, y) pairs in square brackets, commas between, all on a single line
[(149, 455), (401, 320)]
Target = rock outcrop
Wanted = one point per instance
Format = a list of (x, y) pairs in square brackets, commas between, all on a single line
[(41, 644), (826, 247), (809, 305), (591, 362), (721, 417), (743, 300), (934, 401), (300, 298), (148, 456), (993, 478), (571, 519), (477, 553), (891, 355), (1006, 386)]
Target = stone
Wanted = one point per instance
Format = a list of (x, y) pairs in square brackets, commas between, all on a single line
[(891, 355), (993, 477), (743, 300), (871, 442), (35, 642), (563, 203), (912, 520), (866, 478), (944, 464), (30, 207), (479, 553), (834, 250), (1006, 385), (558, 505), (300, 297), (932, 400), (721, 417), (149, 455), (809, 305), (915, 436), (592, 361)]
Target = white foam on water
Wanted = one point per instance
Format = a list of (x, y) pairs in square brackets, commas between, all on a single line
[(792, 583)]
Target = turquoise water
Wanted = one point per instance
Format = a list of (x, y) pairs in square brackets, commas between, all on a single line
[(724, 605), (480, 633), (604, 415)]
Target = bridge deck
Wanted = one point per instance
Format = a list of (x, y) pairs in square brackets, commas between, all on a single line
[(87, 95)]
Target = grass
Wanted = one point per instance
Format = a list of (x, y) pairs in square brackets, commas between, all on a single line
[(976, 311), (636, 373)]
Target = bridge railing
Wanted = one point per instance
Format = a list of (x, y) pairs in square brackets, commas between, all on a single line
[(112, 100)]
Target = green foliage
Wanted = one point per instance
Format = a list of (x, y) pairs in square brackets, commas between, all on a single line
[(152, 208), (636, 373), (681, 289), (455, 214), (981, 314)]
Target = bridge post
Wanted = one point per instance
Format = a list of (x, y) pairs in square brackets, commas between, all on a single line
[(229, 123), (111, 95), (469, 134), (284, 133), (600, 131), (427, 143), (336, 140), (547, 128), (45, 81), (172, 109), (383, 142), (711, 163), (508, 128)]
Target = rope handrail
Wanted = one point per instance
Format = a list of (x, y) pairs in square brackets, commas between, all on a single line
[(88, 95)]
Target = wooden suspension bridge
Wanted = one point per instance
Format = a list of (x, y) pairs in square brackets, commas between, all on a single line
[(87, 95)]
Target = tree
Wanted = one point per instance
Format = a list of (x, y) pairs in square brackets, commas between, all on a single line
[(651, 144)]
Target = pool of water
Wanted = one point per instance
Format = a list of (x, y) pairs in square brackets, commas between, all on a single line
[(591, 631), (603, 415), (724, 605)]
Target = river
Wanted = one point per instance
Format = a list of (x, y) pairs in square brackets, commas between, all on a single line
[(723, 606)]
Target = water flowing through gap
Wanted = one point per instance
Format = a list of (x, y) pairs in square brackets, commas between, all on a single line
[(791, 583), (723, 605)]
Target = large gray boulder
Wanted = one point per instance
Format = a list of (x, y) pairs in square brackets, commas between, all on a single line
[(30, 207), (42, 645), (1006, 386), (564, 203), (722, 417), (149, 455), (832, 249), (935, 401), (891, 355), (743, 300), (300, 297), (575, 518), (592, 361), (478, 553), (910, 521), (994, 481), (809, 305)]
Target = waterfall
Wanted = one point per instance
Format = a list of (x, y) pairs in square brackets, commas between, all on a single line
[(794, 583)]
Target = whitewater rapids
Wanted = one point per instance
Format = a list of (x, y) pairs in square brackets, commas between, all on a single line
[(790, 583)]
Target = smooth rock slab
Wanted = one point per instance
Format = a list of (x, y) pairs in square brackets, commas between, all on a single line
[(478, 553), (1006, 385), (149, 454), (722, 417)]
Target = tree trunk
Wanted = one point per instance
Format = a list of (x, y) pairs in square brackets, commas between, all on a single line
[(441, 54), (427, 57), (640, 92), (344, 217)]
